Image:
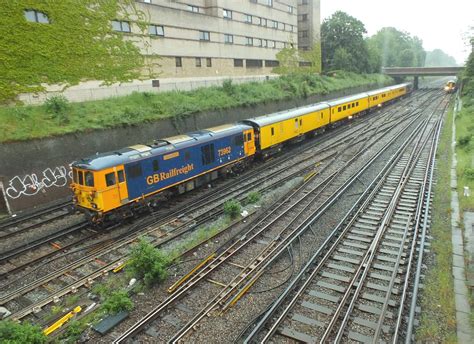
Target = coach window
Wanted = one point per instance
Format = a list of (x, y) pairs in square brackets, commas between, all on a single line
[(322, 115), (344, 108), (110, 179), (89, 178), (155, 165), (301, 122), (121, 176), (296, 123), (273, 131), (339, 109), (357, 103)]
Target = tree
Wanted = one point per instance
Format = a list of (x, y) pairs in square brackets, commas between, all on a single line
[(438, 58), (288, 61), (344, 34), (397, 48), (313, 56), (77, 43)]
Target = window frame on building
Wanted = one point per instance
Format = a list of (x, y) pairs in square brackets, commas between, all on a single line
[(39, 16), (238, 63), (227, 14), (208, 62), (204, 36), (198, 62), (248, 41), (121, 23), (248, 18), (275, 25), (264, 22), (291, 9), (228, 38), (178, 61), (192, 8), (156, 28)]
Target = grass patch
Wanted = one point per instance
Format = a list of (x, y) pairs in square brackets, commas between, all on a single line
[(438, 319), (57, 116), (465, 154)]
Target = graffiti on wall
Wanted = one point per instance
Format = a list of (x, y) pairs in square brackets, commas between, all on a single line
[(32, 184)]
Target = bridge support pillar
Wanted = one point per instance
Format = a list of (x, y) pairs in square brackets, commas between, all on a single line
[(415, 83)]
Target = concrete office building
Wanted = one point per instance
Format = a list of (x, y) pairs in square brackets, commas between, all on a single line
[(198, 38), (309, 23)]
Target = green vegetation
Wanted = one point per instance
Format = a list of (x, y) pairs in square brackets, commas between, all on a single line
[(117, 301), (148, 263), (28, 122), (49, 52), (232, 208), (253, 197), (465, 139), (14, 333), (438, 317), (345, 48), (289, 60)]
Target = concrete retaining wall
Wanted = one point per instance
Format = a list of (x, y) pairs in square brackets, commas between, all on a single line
[(36, 172)]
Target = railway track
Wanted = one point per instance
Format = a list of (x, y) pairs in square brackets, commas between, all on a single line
[(177, 222), (275, 243), (355, 288)]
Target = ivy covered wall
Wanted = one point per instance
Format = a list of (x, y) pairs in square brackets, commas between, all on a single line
[(77, 44)]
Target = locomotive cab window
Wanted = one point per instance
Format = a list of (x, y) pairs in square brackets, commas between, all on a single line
[(208, 156), (238, 140), (249, 136), (187, 155), (74, 176), (134, 171), (110, 179), (81, 177), (89, 177), (121, 176), (155, 165)]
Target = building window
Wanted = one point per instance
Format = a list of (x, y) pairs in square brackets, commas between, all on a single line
[(179, 62), (264, 22), (254, 63), (258, 20), (238, 62), (271, 63), (193, 8), (268, 2), (265, 43), (36, 17), (258, 42), (272, 44), (290, 27), (120, 26), (304, 2), (283, 27), (275, 24), (290, 9), (248, 41), (303, 17), (248, 18), (208, 62), (156, 30), (303, 33), (204, 35), (227, 14), (198, 62), (229, 39), (147, 1)]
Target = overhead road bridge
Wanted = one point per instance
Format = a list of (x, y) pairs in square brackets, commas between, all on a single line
[(421, 71)]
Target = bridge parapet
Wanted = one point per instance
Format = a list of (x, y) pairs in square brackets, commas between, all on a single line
[(422, 71)]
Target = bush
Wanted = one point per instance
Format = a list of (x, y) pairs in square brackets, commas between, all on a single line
[(148, 263), (117, 301), (232, 208), (57, 105), (469, 173), (464, 140), (228, 87), (253, 197), (12, 332)]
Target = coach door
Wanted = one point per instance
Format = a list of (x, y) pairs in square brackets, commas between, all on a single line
[(249, 143), (122, 185)]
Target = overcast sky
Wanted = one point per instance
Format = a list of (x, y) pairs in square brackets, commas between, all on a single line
[(440, 24)]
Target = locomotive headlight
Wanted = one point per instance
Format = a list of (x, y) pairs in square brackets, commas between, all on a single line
[(446, 88), (94, 205), (350, 117)]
